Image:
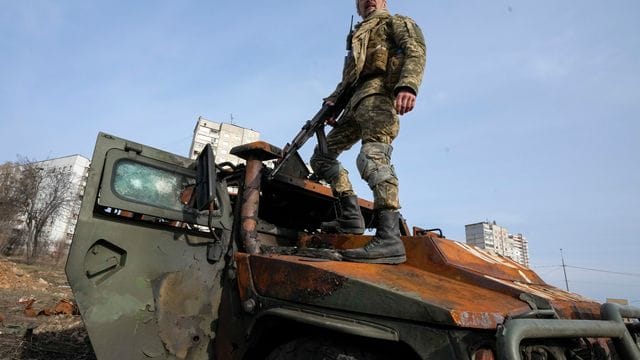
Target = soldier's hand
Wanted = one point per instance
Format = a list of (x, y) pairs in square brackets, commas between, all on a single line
[(405, 101), (332, 120)]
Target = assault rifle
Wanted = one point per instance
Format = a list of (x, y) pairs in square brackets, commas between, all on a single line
[(314, 126)]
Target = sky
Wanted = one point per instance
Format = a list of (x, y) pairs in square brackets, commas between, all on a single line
[(528, 112)]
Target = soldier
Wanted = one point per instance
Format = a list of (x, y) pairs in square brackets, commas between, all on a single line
[(384, 70)]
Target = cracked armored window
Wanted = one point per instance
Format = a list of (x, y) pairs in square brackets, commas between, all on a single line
[(149, 185)]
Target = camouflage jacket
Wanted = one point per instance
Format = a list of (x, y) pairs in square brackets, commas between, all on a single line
[(388, 53)]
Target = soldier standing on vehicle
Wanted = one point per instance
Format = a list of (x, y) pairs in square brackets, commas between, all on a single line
[(383, 70)]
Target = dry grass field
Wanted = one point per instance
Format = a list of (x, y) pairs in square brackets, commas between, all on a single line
[(38, 319)]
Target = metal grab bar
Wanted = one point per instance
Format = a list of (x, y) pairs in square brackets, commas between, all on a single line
[(615, 312), (513, 331)]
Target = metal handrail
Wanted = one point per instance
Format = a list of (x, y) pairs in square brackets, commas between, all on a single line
[(513, 331), (615, 312)]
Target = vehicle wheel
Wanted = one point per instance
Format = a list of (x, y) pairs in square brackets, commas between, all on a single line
[(314, 348)]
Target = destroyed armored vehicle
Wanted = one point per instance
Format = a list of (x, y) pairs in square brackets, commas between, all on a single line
[(175, 258)]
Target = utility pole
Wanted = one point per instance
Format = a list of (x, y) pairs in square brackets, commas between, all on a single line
[(564, 268)]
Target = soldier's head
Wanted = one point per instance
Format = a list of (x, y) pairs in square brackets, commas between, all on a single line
[(366, 7)]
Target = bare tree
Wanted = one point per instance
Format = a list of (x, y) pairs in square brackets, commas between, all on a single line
[(35, 198), (9, 208)]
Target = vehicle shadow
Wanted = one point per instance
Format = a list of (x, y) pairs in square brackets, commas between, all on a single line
[(71, 344)]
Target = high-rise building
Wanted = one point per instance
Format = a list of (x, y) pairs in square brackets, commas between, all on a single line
[(520, 249), (54, 208), (222, 137), (62, 226), (492, 237)]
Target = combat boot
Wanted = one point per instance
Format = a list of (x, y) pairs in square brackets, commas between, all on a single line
[(349, 220), (385, 247)]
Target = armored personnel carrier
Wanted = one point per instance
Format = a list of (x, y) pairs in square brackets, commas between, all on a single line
[(175, 258)]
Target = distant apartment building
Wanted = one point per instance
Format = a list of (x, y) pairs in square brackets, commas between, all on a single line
[(62, 226), (492, 237), (68, 186), (520, 248), (222, 137)]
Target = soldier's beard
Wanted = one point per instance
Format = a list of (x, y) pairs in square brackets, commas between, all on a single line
[(368, 10)]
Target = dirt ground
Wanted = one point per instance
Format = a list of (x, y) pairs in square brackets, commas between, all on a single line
[(38, 319)]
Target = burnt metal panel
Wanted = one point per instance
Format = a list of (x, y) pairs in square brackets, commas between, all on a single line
[(443, 282), (391, 291)]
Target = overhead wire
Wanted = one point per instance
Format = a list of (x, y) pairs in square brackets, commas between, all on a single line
[(603, 271), (602, 283), (589, 269)]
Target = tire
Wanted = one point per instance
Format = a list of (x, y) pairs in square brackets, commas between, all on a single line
[(314, 348)]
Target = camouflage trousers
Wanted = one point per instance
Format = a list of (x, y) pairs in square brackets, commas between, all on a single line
[(375, 123)]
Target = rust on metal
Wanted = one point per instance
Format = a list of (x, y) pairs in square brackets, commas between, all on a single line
[(498, 273), (480, 290), (481, 320), (182, 311), (289, 278), (250, 205), (333, 241), (305, 184), (258, 150), (254, 153), (243, 276), (292, 279), (467, 257)]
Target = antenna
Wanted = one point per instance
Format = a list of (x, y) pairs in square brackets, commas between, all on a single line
[(350, 35), (564, 268), (231, 118), (349, 47)]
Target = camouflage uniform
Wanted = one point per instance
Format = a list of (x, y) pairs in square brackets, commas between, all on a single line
[(388, 55)]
